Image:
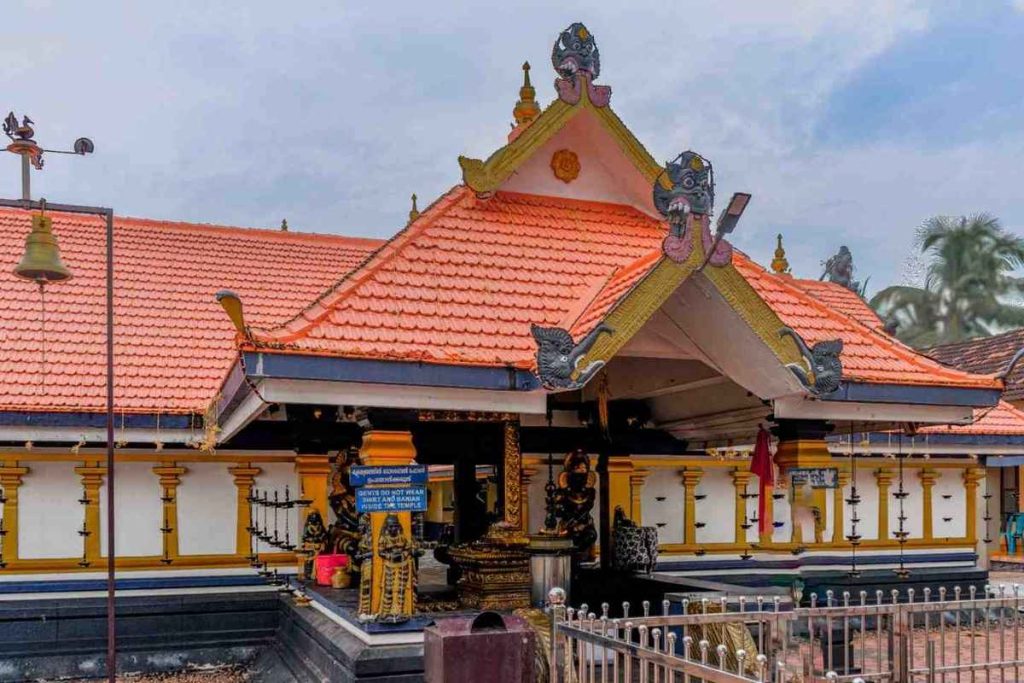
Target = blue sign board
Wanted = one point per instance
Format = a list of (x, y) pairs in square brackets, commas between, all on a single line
[(363, 475), (817, 477), (398, 499)]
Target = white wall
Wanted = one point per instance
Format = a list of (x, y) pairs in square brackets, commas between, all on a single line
[(276, 476), (664, 483), (912, 504), (718, 509), (950, 482), (49, 514), (138, 511), (207, 512)]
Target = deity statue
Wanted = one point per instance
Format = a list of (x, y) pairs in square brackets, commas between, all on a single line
[(574, 501), (314, 539), (398, 554), (839, 269), (344, 533), (363, 557)]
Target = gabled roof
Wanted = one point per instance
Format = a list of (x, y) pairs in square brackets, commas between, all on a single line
[(464, 282), (987, 355), (173, 342), (869, 355)]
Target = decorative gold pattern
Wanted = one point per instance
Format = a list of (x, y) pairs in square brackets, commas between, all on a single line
[(464, 416), (565, 165), (513, 464), (495, 570)]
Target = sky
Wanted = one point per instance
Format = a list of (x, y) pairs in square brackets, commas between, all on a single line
[(850, 121)]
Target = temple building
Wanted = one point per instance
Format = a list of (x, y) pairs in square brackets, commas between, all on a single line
[(566, 339)]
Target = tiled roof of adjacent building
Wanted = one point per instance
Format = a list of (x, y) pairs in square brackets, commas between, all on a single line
[(987, 355), (173, 343), (1001, 420)]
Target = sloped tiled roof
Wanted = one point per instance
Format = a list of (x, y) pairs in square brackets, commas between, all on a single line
[(464, 282), (1001, 420), (869, 355), (987, 355), (841, 299), (173, 343)]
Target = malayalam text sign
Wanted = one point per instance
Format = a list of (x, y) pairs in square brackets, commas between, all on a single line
[(396, 499), (363, 475)]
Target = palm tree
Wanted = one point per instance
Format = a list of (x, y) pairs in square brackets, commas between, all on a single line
[(966, 287)]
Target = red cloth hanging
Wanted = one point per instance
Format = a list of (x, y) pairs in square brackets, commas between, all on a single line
[(761, 464)]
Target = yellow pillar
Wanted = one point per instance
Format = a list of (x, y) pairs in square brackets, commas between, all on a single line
[(526, 477), (928, 478), (740, 479), (384, 448), (691, 477), (170, 477), (513, 467), (972, 477), (92, 475), (313, 471), (883, 477), (765, 538), (636, 489), (620, 470), (10, 480), (796, 534), (838, 516), (245, 477)]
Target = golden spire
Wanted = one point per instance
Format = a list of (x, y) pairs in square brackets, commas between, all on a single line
[(526, 109), (779, 264), (414, 212)]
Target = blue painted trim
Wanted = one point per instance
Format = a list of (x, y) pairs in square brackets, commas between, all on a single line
[(292, 366), (799, 562), (918, 395), (148, 583), (93, 420)]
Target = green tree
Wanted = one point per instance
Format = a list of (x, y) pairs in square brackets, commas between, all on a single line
[(967, 286)]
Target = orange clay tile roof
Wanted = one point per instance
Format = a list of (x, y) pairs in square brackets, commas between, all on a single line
[(1002, 419), (173, 341), (464, 282), (841, 299), (869, 355), (988, 354)]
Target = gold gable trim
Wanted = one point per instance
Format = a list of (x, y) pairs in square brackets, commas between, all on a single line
[(634, 309), (484, 177)]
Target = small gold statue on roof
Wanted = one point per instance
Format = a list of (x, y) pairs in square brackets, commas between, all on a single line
[(779, 264)]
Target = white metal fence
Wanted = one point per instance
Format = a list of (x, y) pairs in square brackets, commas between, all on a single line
[(931, 637)]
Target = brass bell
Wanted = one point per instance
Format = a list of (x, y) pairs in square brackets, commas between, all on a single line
[(41, 261)]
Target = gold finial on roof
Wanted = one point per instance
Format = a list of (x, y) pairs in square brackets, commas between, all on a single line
[(779, 264), (526, 109), (284, 225), (414, 213)]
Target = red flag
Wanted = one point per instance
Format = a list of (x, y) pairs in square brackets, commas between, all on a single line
[(761, 464)]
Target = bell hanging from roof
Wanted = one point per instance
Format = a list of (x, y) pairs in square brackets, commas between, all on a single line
[(41, 261)]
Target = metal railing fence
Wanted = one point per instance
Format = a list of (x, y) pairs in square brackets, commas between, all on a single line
[(928, 637)]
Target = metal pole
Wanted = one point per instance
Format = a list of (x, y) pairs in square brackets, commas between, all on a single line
[(108, 214), (26, 188), (111, 615)]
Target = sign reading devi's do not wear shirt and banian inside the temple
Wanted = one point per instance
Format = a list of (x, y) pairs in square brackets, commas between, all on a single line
[(400, 488)]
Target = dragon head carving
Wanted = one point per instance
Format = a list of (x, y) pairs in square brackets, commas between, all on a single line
[(558, 356), (822, 360), (693, 187), (576, 52)]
